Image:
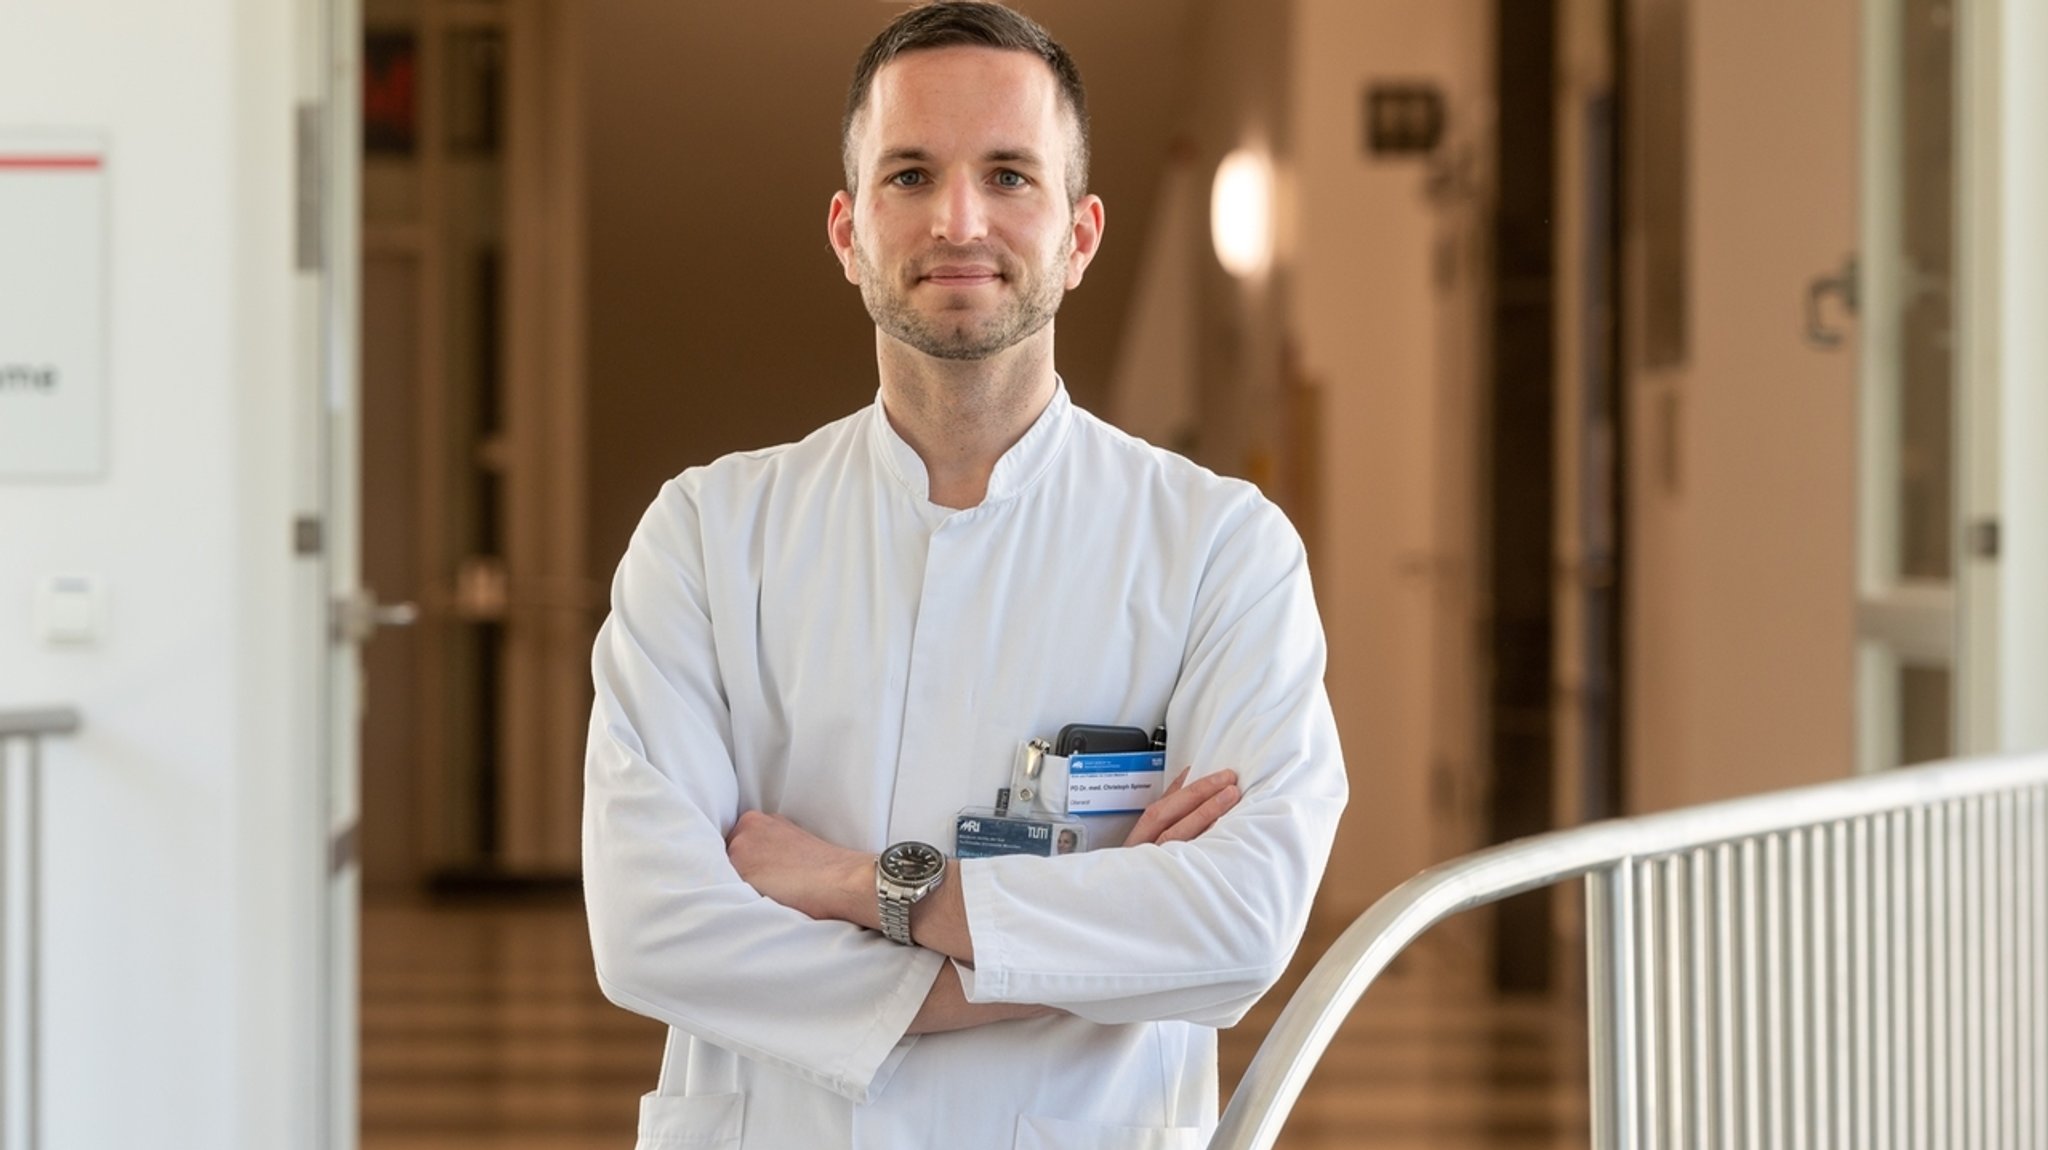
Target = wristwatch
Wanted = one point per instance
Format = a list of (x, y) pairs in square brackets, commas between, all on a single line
[(905, 873)]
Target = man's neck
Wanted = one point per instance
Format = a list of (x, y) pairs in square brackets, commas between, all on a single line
[(960, 416)]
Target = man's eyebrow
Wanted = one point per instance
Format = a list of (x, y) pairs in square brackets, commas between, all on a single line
[(904, 155), (915, 155)]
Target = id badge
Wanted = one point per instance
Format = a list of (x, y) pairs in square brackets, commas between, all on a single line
[(1122, 783), (980, 832)]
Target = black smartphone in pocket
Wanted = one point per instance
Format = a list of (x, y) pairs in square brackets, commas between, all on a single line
[(1089, 739)]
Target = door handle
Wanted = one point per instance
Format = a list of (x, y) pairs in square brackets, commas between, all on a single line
[(355, 618), (1843, 284)]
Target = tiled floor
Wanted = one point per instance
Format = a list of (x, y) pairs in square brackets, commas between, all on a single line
[(482, 1030)]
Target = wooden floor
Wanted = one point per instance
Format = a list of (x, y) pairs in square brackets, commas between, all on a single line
[(483, 1030)]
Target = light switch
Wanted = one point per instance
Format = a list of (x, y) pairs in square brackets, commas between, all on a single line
[(71, 610)]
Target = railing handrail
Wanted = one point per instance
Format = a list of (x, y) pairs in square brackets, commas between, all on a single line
[(30, 726), (39, 721), (1274, 1080)]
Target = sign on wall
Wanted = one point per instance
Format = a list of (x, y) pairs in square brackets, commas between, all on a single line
[(53, 304)]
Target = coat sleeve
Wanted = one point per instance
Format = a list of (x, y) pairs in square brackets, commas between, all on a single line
[(677, 935), (1194, 930)]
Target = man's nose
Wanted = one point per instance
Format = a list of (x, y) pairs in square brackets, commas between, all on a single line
[(960, 216)]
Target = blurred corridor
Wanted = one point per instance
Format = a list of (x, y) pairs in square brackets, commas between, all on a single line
[(483, 1030), (1659, 387)]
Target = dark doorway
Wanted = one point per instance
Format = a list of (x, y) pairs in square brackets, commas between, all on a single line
[(1528, 482), (1522, 486)]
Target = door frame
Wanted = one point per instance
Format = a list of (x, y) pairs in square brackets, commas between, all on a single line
[(2008, 178), (1990, 622), (335, 30)]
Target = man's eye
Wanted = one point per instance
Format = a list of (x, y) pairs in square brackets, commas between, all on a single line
[(908, 179), (1009, 179)]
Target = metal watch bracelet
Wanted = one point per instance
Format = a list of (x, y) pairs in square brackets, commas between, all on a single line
[(896, 919)]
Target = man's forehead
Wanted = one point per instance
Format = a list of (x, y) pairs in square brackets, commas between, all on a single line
[(963, 84), (1003, 99)]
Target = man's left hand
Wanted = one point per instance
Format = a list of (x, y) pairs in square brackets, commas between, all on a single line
[(1186, 809)]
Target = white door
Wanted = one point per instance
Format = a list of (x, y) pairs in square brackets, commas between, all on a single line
[(1905, 551), (1926, 530)]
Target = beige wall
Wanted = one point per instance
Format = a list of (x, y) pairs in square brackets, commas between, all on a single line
[(1741, 481), (1395, 360), (718, 318), (1239, 99), (1351, 295)]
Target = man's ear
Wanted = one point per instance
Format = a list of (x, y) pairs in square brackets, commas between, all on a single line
[(839, 230), (1088, 224)]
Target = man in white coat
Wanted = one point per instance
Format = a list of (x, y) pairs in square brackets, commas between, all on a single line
[(821, 655)]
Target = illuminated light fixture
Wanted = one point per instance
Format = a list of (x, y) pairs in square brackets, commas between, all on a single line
[(1241, 213)]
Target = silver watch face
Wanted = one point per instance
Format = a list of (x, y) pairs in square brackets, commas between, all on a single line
[(912, 864)]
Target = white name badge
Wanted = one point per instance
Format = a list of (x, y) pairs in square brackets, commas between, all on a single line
[(1114, 784)]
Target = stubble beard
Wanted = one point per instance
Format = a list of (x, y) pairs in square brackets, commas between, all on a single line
[(963, 335)]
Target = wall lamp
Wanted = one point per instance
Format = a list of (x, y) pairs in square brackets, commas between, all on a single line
[(1241, 213)]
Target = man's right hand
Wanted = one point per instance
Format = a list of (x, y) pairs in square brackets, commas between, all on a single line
[(1185, 811)]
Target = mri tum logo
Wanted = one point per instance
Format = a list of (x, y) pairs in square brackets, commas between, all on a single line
[(18, 377)]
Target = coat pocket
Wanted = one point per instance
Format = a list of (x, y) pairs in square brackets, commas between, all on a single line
[(1035, 1132), (709, 1121)]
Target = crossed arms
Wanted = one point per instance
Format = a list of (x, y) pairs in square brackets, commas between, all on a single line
[(798, 869)]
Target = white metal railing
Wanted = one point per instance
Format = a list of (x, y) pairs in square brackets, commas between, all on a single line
[(21, 754), (1856, 964)]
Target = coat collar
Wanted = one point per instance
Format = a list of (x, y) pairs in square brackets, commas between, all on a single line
[(1015, 472)]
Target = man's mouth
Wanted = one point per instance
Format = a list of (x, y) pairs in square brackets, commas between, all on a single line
[(961, 275)]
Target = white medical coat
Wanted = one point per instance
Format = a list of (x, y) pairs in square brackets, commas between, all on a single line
[(800, 630)]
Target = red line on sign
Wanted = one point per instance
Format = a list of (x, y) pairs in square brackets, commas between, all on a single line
[(49, 163)]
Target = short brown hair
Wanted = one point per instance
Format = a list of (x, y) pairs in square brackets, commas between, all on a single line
[(969, 23)]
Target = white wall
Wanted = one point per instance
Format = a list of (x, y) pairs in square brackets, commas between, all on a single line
[(171, 852)]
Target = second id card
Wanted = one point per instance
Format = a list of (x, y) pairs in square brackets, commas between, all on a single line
[(1122, 783), (982, 833)]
